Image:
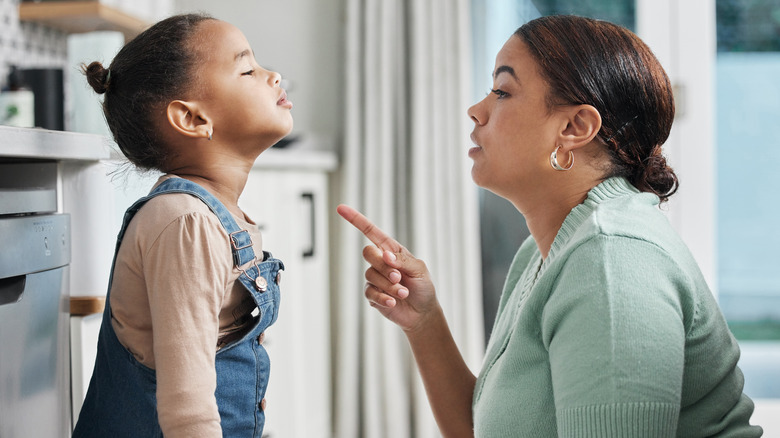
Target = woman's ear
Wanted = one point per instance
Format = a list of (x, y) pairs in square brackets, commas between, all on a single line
[(187, 119), (583, 124)]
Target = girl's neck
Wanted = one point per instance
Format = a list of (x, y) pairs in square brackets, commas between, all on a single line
[(225, 179)]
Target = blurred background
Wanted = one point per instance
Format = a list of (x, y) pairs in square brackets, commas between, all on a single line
[(380, 91)]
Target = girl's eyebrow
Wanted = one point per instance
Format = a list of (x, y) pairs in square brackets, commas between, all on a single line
[(244, 53)]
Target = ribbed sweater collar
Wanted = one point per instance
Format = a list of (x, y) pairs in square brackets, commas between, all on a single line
[(609, 189)]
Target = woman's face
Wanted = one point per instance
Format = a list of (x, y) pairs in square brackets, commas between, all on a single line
[(247, 105), (514, 129)]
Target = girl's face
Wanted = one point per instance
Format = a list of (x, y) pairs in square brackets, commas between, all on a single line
[(247, 106), (514, 129)]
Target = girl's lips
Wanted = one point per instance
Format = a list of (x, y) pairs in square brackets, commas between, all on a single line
[(283, 102)]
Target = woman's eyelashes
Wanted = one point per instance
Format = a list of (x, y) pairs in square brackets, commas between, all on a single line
[(499, 92), (248, 73)]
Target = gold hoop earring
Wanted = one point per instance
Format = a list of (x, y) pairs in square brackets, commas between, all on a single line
[(554, 160)]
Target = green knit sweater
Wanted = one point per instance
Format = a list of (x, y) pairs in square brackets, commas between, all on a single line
[(614, 334)]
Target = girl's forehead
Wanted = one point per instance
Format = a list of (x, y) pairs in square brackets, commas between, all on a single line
[(219, 40), (219, 33)]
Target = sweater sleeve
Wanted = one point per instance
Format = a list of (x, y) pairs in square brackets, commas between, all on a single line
[(186, 271), (615, 331)]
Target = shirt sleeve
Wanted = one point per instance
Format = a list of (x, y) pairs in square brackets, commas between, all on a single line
[(186, 270), (615, 331)]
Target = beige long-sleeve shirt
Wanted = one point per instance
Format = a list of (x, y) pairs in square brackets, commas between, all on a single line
[(174, 292)]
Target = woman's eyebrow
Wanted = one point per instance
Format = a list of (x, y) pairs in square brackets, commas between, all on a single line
[(504, 69)]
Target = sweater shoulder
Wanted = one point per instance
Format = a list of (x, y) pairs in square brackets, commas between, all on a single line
[(634, 220)]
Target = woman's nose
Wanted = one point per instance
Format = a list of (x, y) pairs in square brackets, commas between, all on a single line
[(476, 114)]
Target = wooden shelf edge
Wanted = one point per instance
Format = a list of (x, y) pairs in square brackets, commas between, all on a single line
[(82, 16), (86, 305)]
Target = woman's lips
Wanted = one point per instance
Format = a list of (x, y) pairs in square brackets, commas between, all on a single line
[(283, 102), (476, 148)]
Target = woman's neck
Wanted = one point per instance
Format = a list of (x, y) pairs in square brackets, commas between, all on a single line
[(545, 215)]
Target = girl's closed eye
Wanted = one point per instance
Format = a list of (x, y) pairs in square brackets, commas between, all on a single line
[(248, 73), (499, 92)]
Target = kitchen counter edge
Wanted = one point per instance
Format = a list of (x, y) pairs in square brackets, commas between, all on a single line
[(55, 145)]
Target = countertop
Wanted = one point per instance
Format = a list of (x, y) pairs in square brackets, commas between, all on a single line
[(297, 158), (54, 145)]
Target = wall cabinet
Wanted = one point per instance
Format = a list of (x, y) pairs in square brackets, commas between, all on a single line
[(290, 206)]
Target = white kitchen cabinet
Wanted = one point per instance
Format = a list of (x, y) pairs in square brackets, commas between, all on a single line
[(290, 206)]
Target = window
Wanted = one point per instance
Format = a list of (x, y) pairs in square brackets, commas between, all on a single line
[(748, 107)]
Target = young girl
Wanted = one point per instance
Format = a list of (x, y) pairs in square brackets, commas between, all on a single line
[(191, 290)]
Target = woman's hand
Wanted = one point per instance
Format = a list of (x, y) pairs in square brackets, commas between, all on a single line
[(398, 284)]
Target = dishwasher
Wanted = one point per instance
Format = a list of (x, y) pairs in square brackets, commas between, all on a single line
[(34, 303)]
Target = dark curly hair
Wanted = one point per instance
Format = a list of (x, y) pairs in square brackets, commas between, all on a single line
[(152, 69), (594, 62)]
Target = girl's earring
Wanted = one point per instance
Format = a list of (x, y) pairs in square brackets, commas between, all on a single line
[(554, 160), (211, 135)]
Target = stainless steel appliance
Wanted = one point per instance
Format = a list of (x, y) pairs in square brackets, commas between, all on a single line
[(34, 304)]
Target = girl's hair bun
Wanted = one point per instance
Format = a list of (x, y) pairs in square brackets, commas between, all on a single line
[(97, 76)]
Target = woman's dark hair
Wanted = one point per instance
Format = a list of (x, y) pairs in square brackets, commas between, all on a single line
[(152, 69), (594, 62)]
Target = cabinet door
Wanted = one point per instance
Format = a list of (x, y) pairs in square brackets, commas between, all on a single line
[(291, 209)]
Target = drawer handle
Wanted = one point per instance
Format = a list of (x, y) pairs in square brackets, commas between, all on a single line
[(310, 197), (11, 289)]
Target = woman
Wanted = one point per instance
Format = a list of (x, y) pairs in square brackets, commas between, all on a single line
[(606, 326)]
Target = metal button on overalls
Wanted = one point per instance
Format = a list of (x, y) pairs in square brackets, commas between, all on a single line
[(261, 284)]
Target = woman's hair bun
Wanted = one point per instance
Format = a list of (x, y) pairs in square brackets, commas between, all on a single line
[(97, 76)]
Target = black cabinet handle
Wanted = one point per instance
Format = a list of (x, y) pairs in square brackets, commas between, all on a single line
[(310, 251)]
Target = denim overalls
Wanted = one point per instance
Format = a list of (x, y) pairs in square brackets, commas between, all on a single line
[(121, 399)]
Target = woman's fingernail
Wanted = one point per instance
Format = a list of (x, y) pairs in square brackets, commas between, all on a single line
[(403, 293), (390, 302), (395, 276), (391, 255)]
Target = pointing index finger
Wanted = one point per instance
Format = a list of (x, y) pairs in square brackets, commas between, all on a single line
[(371, 231)]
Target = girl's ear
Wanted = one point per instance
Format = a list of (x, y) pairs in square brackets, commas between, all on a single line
[(583, 123), (186, 119)]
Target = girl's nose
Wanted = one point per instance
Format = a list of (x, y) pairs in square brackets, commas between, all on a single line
[(275, 78)]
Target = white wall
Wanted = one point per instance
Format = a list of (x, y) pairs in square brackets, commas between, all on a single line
[(304, 41)]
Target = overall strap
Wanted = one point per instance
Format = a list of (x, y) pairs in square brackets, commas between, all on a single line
[(240, 240)]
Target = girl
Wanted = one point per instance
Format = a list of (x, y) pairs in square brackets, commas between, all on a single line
[(191, 290), (606, 327)]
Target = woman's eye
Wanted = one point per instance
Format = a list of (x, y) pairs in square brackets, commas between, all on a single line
[(499, 92), (248, 73)]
